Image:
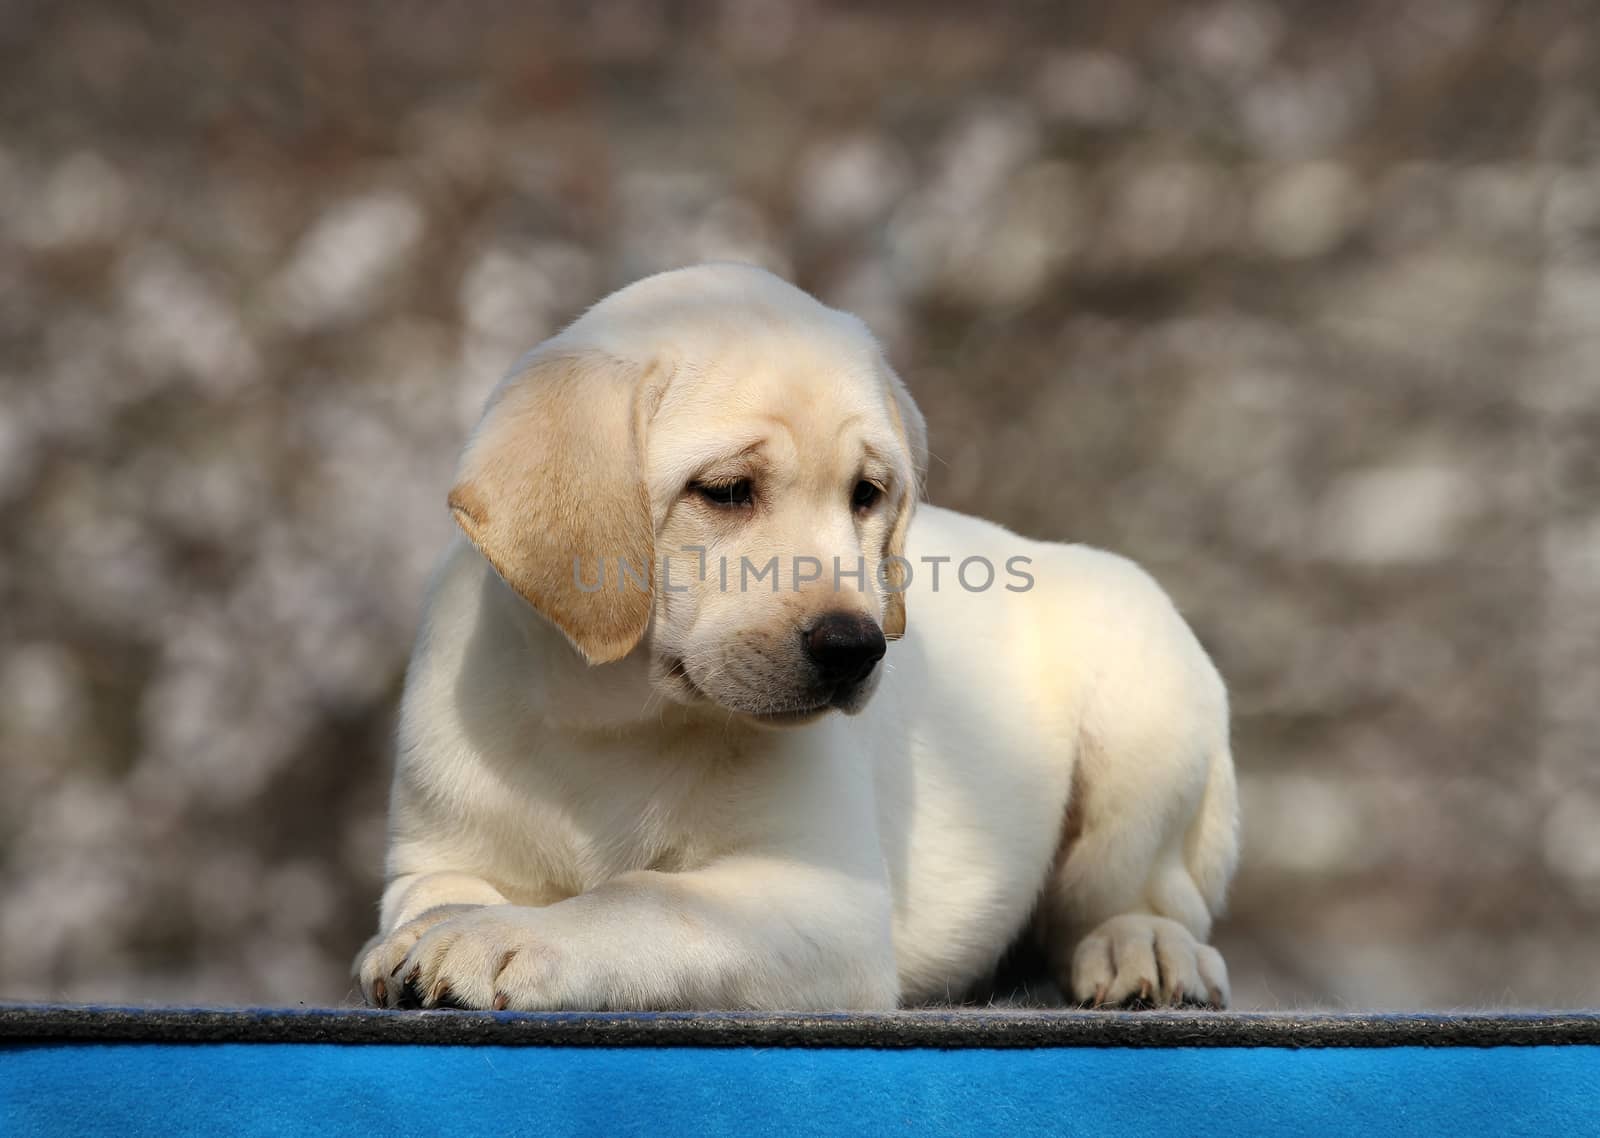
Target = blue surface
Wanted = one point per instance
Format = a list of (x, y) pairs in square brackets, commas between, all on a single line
[(331, 1089)]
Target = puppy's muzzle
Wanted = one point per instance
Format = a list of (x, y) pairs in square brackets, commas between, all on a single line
[(844, 647)]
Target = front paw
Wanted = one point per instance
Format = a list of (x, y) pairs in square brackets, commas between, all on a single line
[(499, 957), (379, 969), (1141, 961)]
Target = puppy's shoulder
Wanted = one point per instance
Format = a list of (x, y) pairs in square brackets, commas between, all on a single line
[(456, 579), (461, 641)]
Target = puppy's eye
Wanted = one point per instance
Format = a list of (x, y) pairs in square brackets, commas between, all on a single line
[(866, 495), (728, 495)]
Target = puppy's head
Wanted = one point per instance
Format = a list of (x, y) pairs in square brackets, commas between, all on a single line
[(711, 467)]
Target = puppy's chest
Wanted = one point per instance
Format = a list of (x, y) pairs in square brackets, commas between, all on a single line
[(568, 824)]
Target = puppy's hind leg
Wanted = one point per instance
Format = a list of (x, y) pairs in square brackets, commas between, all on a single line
[(1141, 873)]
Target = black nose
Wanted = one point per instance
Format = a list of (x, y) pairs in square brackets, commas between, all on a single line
[(845, 646)]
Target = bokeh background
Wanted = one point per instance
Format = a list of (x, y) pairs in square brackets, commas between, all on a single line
[(1298, 304)]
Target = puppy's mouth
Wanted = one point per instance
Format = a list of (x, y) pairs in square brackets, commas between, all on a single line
[(846, 698), (676, 671), (789, 718)]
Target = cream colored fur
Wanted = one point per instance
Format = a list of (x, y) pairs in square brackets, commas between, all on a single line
[(631, 798)]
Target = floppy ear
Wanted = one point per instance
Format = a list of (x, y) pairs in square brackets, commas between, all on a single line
[(913, 431), (553, 473)]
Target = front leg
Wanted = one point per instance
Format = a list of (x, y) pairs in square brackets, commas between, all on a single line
[(746, 932)]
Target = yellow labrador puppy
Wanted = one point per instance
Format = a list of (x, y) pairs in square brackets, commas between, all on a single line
[(656, 751)]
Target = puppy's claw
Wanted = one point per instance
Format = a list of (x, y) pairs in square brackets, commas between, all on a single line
[(380, 993), (500, 1001), (1138, 960)]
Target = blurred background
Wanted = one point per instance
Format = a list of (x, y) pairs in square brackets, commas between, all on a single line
[(1297, 304)]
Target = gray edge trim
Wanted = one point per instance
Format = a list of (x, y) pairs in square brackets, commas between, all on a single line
[(984, 1028)]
